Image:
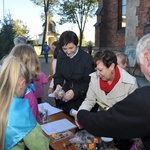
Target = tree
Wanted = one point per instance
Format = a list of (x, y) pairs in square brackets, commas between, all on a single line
[(77, 12), (7, 34), (9, 30), (48, 9), (21, 28)]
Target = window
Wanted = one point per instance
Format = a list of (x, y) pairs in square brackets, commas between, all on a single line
[(121, 14)]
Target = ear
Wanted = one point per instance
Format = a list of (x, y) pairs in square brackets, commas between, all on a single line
[(112, 66), (125, 65), (21, 82), (147, 58)]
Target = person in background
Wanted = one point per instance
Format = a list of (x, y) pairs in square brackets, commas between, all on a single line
[(45, 49), (19, 40), (128, 118), (54, 45), (53, 60), (90, 49), (122, 60), (56, 51), (39, 82), (27, 54), (17, 123), (72, 71), (52, 72)]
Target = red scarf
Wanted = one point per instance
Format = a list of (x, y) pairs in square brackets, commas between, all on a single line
[(104, 84)]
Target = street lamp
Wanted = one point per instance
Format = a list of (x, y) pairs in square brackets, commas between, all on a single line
[(3, 9)]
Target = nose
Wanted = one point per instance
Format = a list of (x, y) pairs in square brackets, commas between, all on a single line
[(68, 52), (98, 72)]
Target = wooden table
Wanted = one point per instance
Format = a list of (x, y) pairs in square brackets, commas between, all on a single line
[(59, 145)]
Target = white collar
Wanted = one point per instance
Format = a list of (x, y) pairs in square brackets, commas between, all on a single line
[(74, 53)]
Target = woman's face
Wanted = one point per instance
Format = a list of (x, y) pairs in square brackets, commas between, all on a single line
[(21, 87), (106, 74), (69, 49)]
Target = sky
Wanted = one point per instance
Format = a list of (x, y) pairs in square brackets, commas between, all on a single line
[(29, 13)]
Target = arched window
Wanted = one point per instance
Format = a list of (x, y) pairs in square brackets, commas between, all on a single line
[(121, 14)]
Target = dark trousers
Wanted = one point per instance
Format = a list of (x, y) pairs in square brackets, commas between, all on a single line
[(46, 58)]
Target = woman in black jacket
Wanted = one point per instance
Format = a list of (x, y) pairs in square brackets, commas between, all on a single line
[(72, 71)]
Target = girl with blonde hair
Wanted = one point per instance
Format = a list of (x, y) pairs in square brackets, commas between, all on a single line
[(17, 124), (27, 54)]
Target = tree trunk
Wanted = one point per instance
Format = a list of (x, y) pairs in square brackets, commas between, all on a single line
[(45, 31), (81, 36)]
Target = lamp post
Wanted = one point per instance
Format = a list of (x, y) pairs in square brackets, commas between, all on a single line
[(3, 9)]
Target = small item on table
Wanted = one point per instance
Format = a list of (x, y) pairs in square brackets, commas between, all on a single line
[(90, 143), (60, 136), (43, 115), (67, 144)]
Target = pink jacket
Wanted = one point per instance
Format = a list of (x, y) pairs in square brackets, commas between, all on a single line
[(38, 83), (32, 101)]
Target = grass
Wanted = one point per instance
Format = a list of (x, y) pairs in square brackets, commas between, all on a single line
[(42, 56)]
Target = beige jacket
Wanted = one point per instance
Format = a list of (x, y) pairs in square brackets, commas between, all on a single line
[(126, 85)]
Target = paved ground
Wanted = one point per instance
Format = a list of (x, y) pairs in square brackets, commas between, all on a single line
[(45, 68)]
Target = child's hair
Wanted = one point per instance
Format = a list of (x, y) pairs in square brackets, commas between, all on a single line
[(56, 52), (124, 60), (28, 55), (12, 69), (55, 43)]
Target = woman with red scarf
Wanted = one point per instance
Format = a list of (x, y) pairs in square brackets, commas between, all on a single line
[(109, 84)]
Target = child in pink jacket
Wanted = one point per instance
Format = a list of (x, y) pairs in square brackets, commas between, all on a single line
[(38, 82)]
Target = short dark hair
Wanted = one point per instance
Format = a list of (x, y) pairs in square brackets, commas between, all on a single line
[(68, 37), (107, 57)]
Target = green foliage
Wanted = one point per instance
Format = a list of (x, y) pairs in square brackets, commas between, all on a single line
[(7, 34), (9, 30), (42, 3), (77, 12), (20, 28), (48, 5), (49, 14)]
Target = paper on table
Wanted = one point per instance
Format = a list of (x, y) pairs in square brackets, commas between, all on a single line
[(57, 126), (51, 110)]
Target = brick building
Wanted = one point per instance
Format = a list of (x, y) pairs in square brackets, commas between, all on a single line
[(120, 24)]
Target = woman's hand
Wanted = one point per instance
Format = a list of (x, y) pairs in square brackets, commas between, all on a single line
[(58, 87), (50, 90), (78, 124), (69, 95)]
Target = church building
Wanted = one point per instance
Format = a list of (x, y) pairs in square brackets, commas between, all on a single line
[(120, 24)]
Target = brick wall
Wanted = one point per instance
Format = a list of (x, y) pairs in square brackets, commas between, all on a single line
[(142, 11), (107, 34)]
